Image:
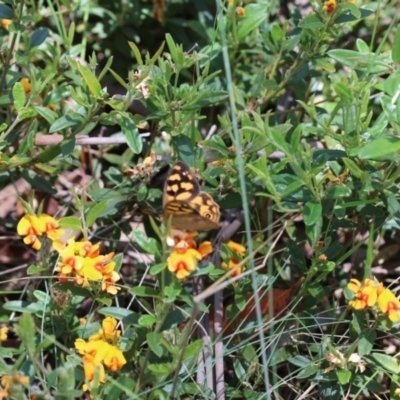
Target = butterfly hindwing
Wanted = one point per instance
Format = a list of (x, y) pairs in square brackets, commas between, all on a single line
[(183, 201)]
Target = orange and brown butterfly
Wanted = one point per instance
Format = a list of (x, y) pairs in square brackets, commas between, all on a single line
[(185, 205)]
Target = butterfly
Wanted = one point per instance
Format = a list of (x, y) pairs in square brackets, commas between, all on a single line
[(185, 204)]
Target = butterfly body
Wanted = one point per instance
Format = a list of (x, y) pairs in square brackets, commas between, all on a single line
[(185, 204)]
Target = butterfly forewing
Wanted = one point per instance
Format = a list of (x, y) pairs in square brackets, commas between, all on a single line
[(184, 203)]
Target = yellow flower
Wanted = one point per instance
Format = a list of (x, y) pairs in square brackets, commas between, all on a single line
[(5, 23), (90, 368), (95, 268), (114, 359), (7, 381), (365, 294), (51, 227), (107, 284), (389, 304), (87, 249), (31, 227), (96, 349), (183, 260), (233, 262), (108, 331), (329, 6), (70, 263), (3, 333)]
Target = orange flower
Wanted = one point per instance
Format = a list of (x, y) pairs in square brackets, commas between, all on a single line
[(365, 294), (240, 11), (26, 84), (389, 304), (329, 6)]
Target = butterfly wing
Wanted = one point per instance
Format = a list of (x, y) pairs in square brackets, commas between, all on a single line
[(184, 203)]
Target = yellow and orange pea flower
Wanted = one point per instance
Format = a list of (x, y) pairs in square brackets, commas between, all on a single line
[(5, 23), (101, 351), (389, 304), (107, 332), (329, 6), (365, 294), (26, 84), (32, 227), (185, 254), (369, 292), (82, 263), (240, 11), (233, 262), (7, 381)]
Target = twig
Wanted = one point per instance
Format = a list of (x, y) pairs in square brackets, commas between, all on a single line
[(51, 140)]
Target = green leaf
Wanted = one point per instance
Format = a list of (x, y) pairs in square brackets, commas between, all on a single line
[(118, 313), (144, 291), (299, 361), (157, 268), (136, 53), (311, 21), (131, 133), (38, 181), (35, 269), (396, 47), (366, 342), (49, 115), (207, 98), (387, 362), (90, 79), (380, 148), (43, 297), (18, 96), (6, 12), (70, 223), (343, 376), (66, 121), (193, 349), (38, 37), (27, 112), (94, 212), (25, 330), (23, 306), (254, 15), (147, 321), (150, 245), (153, 340), (353, 167), (312, 212), (176, 51)]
